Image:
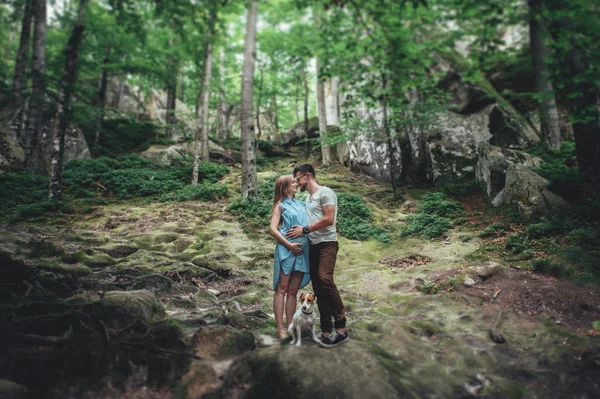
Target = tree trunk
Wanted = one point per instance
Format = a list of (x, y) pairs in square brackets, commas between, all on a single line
[(258, 101), (274, 109), (204, 102), (62, 113), (321, 110), (172, 71), (305, 81), (586, 126), (100, 102), (249, 179), (21, 60), (539, 52), (221, 106), (35, 114), (388, 137)]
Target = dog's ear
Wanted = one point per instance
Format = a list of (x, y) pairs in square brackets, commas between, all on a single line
[(302, 296)]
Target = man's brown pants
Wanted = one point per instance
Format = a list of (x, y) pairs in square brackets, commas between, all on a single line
[(322, 263)]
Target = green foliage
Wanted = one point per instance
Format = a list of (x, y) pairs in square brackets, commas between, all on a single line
[(252, 211), (21, 188), (517, 243), (131, 176), (433, 217), (550, 267), (492, 229), (124, 135), (429, 226), (205, 191), (41, 209), (584, 237), (429, 287), (436, 204), (542, 229), (355, 220), (560, 168)]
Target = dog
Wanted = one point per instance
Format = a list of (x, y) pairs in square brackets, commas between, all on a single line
[(304, 318)]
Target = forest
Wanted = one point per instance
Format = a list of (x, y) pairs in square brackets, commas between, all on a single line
[(140, 142)]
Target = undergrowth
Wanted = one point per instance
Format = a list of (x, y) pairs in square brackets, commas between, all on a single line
[(434, 216)]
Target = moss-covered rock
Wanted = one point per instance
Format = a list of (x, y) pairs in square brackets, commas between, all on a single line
[(129, 305)]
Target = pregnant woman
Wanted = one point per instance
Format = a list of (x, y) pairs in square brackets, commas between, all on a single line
[(291, 268)]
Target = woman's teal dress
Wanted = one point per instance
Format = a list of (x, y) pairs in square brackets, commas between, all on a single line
[(293, 213)]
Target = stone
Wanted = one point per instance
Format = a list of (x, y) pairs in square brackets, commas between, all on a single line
[(219, 342), (469, 282), (127, 305), (276, 371)]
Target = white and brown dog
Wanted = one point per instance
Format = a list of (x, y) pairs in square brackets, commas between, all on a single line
[(303, 319)]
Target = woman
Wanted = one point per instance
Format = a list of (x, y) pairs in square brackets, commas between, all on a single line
[(291, 269)]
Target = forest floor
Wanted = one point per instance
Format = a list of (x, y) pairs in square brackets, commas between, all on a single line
[(455, 316)]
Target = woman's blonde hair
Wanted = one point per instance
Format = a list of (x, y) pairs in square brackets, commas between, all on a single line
[(282, 185)]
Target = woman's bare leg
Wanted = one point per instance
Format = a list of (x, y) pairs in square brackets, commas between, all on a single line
[(292, 296), (278, 299)]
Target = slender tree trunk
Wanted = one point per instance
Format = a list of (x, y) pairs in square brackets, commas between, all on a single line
[(172, 71), (21, 60), (321, 111), (258, 101), (249, 179), (100, 102), (62, 113), (201, 143), (221, 106), (322, 120), (35, 117), (204, 102), (539, 52), (388, 136), (305, 80), (181, 85), (586, 126), (274, 108), (297, 102)]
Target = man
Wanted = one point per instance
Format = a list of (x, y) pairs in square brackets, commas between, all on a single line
[(321, 209)]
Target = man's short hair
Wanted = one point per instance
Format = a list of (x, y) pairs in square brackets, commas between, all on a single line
[(305, 168)]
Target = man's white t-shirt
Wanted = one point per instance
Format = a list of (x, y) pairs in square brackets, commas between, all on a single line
[(324, 196)]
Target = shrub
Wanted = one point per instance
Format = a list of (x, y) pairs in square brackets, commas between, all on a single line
[(517, 243), (429, 226), (539, 230), (21, 188), (254, 211), (437, 204), (429, 287), (560, 168), (492, 229), (354, 220), (546, 266), (41, 209), (584, 237)]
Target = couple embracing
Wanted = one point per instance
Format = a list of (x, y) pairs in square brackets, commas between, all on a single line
[(306, 250)]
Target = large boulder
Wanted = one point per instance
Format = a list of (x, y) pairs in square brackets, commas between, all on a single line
[(349, 371), (492, 165), (294, 133), (11, 150), (529, 191), (129, 305)]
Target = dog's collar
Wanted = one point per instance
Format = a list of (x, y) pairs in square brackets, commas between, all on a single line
[(307, 313)]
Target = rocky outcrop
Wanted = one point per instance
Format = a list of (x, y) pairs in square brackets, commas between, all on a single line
[(11, 151), (277, 372), (294, 133), (508, 178)]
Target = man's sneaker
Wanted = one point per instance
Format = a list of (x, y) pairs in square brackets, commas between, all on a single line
[(334, 339)]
